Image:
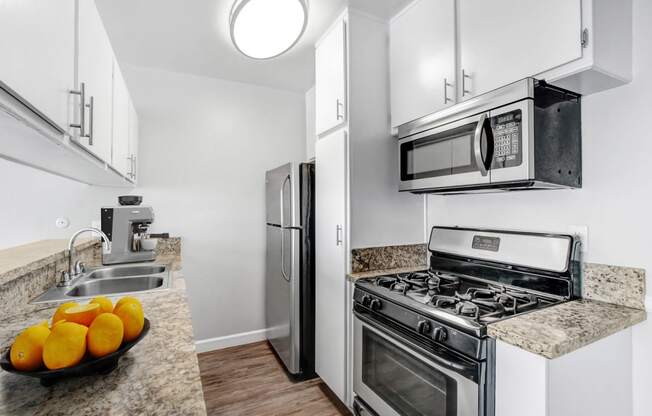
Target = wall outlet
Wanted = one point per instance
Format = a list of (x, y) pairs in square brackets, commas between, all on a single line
[(62, 222), (581, 231)]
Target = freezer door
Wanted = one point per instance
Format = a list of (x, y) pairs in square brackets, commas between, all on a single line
[(282, 195), (282, 295)]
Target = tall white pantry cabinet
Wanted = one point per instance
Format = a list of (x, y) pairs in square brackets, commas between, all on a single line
[(356, 193)]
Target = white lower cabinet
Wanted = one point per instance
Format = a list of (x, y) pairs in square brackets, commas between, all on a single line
[(37, 45), (330, 262), (595, 380)]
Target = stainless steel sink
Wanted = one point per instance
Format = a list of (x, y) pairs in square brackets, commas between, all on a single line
[(110, 281)]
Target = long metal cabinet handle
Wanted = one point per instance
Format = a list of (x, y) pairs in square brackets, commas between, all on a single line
[(133, 170), (130, 158), (464, 77), (91, 110), (339, 104), (338, 235), (446, 85), (82, 116), (283, 272), (477, 145)]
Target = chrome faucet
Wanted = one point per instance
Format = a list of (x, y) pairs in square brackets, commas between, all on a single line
[(77, 268)]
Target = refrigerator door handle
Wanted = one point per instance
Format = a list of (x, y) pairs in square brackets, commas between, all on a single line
[(283, 272)]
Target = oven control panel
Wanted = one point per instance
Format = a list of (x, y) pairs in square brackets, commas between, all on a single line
[(508, 139)]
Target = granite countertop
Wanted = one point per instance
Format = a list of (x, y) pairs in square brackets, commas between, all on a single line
[(560, 329), (160, 375), (373, 273)]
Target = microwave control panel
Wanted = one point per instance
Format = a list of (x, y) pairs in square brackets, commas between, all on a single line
[(508, 139)]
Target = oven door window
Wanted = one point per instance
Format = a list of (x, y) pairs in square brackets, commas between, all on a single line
[(441, 154), (408, 385)]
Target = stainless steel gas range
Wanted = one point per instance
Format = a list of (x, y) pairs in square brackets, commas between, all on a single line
[(420, 339)]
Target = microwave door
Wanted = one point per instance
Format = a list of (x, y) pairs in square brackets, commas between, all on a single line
[(444, 157), (513, 134)]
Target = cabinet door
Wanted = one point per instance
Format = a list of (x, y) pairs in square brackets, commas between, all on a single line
[(133, 141), (37, 45), (95, 70), (330, 79), (502, 41), (120, 157), (422, 60), (330, 261)]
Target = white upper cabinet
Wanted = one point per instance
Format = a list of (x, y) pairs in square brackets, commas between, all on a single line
[(121, 108), (133, 142), (422, 60), (37, 45), (330, 79), (95, 70), (502, 41)]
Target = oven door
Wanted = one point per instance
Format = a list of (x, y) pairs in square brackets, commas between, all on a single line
[(396, 377), (454, 155)]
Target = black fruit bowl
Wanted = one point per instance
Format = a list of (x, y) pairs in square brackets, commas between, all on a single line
[(88, 366)]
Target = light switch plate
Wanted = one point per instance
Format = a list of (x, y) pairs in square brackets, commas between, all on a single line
[(582, 231)]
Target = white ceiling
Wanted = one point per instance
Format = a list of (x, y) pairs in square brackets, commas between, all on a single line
[(192, 36)]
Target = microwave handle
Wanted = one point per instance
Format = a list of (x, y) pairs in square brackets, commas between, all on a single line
[(483, 164)]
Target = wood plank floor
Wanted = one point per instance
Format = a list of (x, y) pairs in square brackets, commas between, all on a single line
[(250, 380)]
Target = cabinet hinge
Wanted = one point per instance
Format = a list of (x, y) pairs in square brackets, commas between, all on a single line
[(585, 38)]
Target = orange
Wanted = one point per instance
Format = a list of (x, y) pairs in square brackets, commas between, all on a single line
[(105, 303), (66, 346), (125, 300), (58, 315), (132, 317), (105, 335), (27, 350), (82, 314)]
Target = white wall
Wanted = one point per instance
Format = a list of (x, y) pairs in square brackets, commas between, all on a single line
[(205, 145), (311, 136), (616, 196), (31, 200)]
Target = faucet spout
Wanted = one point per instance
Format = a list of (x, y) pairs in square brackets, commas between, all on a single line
[(71, 244)]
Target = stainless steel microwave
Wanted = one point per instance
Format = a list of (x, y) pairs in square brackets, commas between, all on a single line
[(526, 135)]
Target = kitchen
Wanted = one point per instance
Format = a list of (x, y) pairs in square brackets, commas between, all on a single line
[(162, 100)]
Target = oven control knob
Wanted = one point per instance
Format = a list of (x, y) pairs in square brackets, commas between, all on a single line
[(440, 334), (375, 304), (365, 300), (423, 327)]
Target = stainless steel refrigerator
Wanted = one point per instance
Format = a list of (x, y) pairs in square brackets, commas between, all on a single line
[(290, 267)]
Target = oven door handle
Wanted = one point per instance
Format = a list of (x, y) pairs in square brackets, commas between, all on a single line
[(458, 367), (484, 163)]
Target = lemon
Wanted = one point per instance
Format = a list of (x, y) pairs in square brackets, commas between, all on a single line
[(82, 314), (58, 315), (105, 303), (27, 350), (66, 346), (125, 300), (105, 335), (132, 317)]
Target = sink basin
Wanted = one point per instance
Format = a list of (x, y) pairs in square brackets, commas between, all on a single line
[(112, 286), (125, 271), (111, 281)]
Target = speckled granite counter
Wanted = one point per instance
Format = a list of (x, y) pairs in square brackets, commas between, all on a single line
[(160, 375), (373, 273), (560, 329)]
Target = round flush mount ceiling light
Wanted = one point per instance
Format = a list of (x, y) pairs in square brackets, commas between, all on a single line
[(264, 29)]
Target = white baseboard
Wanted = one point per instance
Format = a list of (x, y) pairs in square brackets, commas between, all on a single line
[(212, 344)]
